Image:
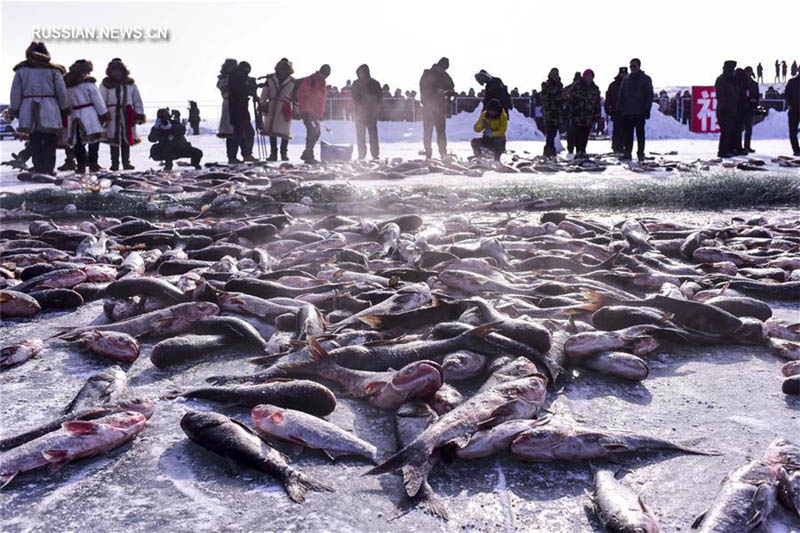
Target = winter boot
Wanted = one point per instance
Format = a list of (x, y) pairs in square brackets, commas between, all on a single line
[(126, 157), (273, 149), (284, 149), (114, 158), (69, 164)]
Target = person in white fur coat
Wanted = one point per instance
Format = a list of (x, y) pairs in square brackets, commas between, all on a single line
[(88, 116), (125, 106), (39, 100)]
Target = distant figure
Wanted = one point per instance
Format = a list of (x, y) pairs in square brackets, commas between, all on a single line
[(495, 90), (367, 97), (727, 91), (751, 97), (584, 103), (311, 97), (777, 71), (793, 68), (123, 101), (89, 114), (276, 108), (792, 95), (783, 70), (612, 94), (760, 72), (225, 129), (687, 107), (347, 104), (663, 102), (169, 136), (568, 114), (633, 105), (493, 122), (552, 110), (241, 88), (771, 93), (435, 89), (38, 99), (194, 117)]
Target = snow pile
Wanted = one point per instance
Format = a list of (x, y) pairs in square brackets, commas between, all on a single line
[(661, 126), (774, 126)]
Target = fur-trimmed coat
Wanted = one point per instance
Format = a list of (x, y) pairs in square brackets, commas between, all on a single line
[(38, 97), (225, 127), (88, 108), (117, 97), (276, 106)]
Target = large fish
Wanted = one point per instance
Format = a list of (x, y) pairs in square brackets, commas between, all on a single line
[(521, 398), (106, 386), (310, 431), (20, 352), (75, 440), (238, 443), (14, 303), (619, 508)]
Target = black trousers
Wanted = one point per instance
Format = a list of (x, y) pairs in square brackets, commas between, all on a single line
[(551, 130), (497, 145), (581, 138), (243, 138), (115, 152), (570, 138), (617, 134), (43, 151), (748, 131), (434, 118), (631, 124), (366, 126), (194, 154), (80, 153), (312, 134), (273, 146), (727, 130), (794, 121)]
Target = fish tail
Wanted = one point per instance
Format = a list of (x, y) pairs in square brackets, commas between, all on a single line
[(172, 393), (480, 331), (264, 360), (426, 500), (414, 459), (690, 446), (297, 486)]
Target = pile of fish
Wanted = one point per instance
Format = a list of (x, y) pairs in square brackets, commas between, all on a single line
[(399, 313)]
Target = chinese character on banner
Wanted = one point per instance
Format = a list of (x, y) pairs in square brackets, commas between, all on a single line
[(704, 110)]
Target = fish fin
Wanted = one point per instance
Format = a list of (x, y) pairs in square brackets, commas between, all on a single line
[(485, 329), (317, 352), (690, 446), (426, 500), (415, 457), (5, 479), (698, 520), (374, 387), (81, 427), (372, 321), (55, 456), (298, 484), (244, 426)]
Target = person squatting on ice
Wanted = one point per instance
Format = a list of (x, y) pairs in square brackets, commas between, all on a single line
[(169, 136), (276, 108), (367, 96), (88, 117), (39, 100), (493, 122)]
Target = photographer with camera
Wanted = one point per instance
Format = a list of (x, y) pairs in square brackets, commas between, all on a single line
[(169, 136), (241, 88)]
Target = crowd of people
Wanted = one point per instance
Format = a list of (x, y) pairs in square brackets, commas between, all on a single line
[(64, 108)]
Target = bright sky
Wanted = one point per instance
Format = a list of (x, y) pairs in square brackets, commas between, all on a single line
[(680, 42)]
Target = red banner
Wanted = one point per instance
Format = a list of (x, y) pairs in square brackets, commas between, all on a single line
[(704, 110)]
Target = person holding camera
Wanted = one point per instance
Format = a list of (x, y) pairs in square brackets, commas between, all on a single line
[(493, 123), (169, 136), (241, 87)]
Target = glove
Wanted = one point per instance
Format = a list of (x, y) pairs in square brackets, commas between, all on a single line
[(141, 119)]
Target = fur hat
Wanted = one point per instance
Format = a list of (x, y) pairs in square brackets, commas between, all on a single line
[(117, 64), (38, 52), (228, 66), (78, 73), (285, 65), (325, 70), (483, 77), (81, 66), (444, 63)]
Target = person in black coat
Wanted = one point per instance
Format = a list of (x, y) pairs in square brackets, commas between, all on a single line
[(241, 87), (750, 101), (367, 96), (792, 95), (633, 106), (435, 89), (169, 136), (568, 114), (727, 89), (494, 89), (194, 117), (610, 107)]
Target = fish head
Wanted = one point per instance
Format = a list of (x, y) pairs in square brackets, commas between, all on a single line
[(140, 405), (525, 395), (781, 451), (644, 345), (267, 416), (195, 423), (539, 441), (419, 379), (197, 310), (460, 279), (115, 344), (127, 421), (752, 331), (445, 399), (463, 364)]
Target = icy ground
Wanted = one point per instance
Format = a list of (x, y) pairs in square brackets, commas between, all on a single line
[(688, 150), (728, 396)]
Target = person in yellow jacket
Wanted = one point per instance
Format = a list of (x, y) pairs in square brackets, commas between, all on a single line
[(493, 123)]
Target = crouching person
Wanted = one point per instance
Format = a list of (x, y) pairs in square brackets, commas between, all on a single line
[(493, 123), (169, 136)]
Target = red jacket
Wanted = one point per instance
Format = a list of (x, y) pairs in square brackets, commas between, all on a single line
[(311, 95)]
